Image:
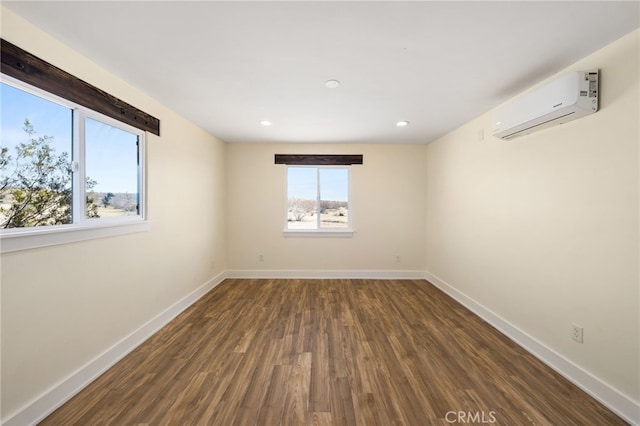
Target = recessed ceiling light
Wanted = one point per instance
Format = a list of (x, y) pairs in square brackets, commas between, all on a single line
[(402, 123), (332, 84), (265, 123)]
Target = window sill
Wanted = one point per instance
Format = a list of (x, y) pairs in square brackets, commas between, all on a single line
[(318, 233), (25, 239)]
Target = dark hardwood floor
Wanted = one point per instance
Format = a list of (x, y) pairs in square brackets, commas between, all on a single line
[(330, 352)]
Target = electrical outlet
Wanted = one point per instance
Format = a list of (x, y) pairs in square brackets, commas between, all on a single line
[(261, 257), (397, 258), (577, 333)]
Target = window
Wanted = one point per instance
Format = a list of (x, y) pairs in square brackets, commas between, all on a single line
[(112, 170), (64, 166), (35, 160), (318, 198)]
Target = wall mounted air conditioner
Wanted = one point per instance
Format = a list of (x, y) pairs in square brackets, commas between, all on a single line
[(566, 98)]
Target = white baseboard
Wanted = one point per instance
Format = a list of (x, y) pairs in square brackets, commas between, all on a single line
[(617, 402), (50, 400), (327, 274)]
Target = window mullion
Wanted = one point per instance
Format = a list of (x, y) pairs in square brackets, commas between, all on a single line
[(318, 195), (140, 177), (80, 173), (349, 204)]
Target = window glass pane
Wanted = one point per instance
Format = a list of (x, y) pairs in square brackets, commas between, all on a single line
[(334, 198), (111, 156), (35, 160), (302, 190)]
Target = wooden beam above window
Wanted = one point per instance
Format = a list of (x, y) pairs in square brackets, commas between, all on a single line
[(24, 66), (318, 160)]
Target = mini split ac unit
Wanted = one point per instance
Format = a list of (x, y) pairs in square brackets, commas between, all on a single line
[(566, 98)]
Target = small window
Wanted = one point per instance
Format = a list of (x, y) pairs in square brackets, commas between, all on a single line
[(318, 198), (63, 164)]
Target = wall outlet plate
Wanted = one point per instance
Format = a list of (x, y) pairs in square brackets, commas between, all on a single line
[(577, 333)]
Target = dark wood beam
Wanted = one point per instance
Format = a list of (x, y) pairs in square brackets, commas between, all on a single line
[(24, 66), (318, 160)]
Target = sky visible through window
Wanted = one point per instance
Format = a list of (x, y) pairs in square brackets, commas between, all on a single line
[(110, 152), (111, 157), (302, 183)]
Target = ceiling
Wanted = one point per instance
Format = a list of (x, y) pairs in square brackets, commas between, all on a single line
[(229, 65)]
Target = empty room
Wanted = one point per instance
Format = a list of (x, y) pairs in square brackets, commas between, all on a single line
[(320, 213)]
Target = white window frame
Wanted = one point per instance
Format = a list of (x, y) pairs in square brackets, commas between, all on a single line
[(318, 232), (82, 228)]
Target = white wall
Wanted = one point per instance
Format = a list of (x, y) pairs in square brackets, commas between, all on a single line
[(544, 230), (64, 305), (387, 210)]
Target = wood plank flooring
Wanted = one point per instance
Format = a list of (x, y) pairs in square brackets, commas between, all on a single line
[(329, 352)]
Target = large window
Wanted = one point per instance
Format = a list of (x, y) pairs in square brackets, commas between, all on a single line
[(318, 198), (63, 165)]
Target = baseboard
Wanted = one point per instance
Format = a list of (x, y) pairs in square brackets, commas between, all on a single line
[(617, 402), (50, 400), (319, 274)]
